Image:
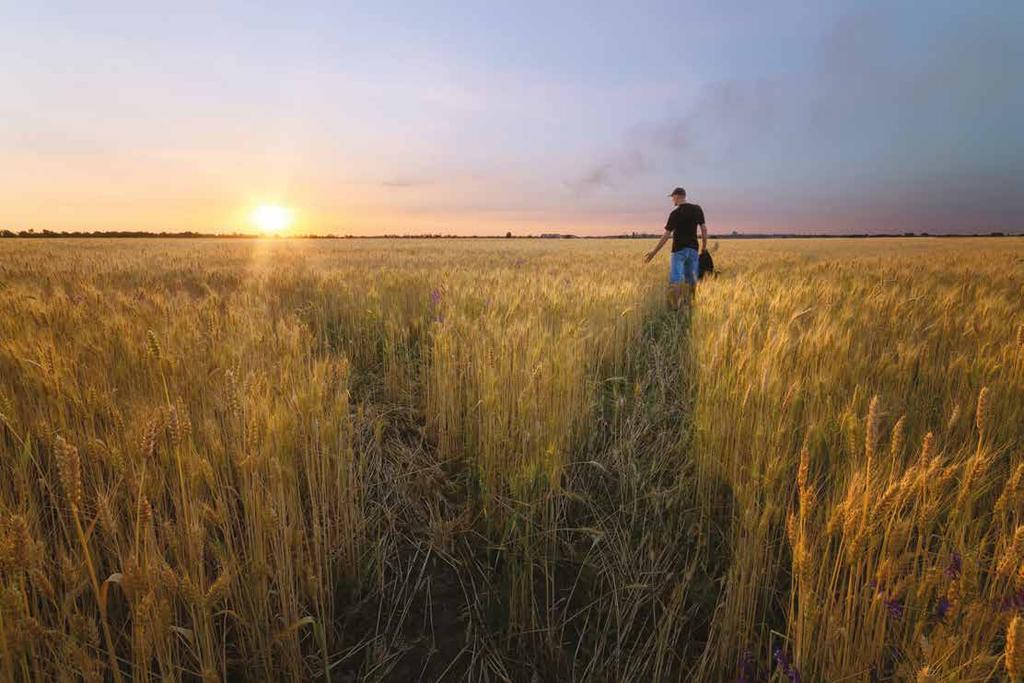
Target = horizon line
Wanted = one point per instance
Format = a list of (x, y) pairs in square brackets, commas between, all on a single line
[(189, 234)]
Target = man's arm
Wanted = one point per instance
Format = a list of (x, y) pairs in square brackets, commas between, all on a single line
[(661, 243), (703, 237)]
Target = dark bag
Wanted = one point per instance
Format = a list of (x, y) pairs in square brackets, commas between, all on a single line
[(705, 264)]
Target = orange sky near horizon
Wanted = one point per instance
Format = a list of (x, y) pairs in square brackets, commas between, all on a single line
[(217, 193), (128, 195)]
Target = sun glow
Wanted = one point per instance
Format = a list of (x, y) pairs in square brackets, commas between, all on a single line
[(271, 218)]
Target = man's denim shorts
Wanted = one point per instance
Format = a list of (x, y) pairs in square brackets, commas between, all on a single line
[(683, 265)]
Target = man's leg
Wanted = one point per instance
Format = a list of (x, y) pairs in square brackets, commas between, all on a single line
[(691, 266), (675, 281)]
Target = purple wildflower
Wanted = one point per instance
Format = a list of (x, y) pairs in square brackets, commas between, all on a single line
[(895, 607), (941, 608), (785, 665), (956, 566)]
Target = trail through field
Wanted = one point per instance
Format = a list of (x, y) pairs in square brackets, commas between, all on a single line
[(622, 572)]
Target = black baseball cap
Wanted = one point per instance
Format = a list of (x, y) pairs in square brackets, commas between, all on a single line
[(676, 191)]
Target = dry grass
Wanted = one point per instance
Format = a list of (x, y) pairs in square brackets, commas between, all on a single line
[(494, 460)]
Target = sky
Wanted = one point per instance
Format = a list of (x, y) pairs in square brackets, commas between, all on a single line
[(529, 117)]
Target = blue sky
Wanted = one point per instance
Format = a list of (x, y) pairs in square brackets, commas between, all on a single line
[(482, 118)]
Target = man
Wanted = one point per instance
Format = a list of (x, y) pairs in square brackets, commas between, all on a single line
[(683, 264)]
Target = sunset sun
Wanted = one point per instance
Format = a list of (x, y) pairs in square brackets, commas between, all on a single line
[(271, 218)]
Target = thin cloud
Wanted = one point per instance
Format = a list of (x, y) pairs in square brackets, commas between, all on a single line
[(608, 173), (403, 183), (724, 115)]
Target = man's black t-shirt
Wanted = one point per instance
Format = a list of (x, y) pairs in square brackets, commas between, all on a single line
[(682, 223)]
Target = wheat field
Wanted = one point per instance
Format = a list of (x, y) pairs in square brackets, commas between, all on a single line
[(505, 460)]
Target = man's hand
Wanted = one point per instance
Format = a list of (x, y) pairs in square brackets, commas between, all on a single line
[(661, 243)]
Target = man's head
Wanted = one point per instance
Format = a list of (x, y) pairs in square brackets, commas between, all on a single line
[(678, 196)]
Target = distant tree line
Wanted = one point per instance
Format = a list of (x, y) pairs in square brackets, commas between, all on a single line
[(784, 235), (117, 233)]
